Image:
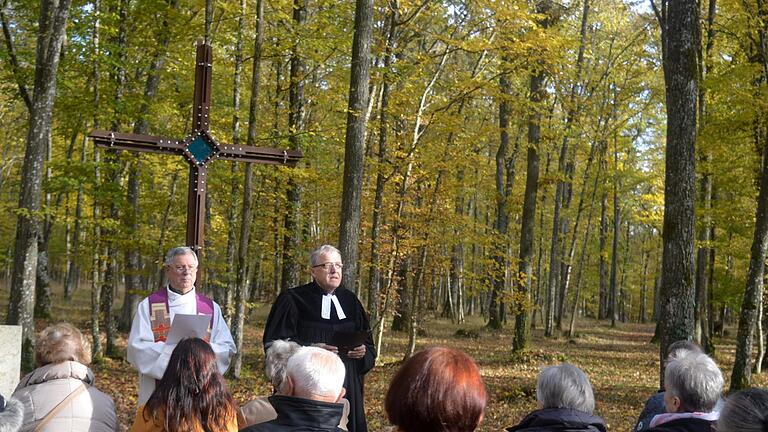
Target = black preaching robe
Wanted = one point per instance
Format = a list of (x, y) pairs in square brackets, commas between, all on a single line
[(296, 316)]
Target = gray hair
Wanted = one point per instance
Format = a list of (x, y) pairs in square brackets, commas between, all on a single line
[(681, 348), (278, 353), (315, 255), (696, 380), (745, 411), (565, 386), (180, 250), (316, 371)]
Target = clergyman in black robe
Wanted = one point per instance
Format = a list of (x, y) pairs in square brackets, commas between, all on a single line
[(312, 314)]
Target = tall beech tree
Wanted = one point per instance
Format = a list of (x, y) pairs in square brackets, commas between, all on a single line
[(753, 294), (354, 143), (536, 95), (51, 31), (680, 38), (296, 126)]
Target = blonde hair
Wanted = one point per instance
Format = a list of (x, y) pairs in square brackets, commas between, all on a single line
[(61, 342)]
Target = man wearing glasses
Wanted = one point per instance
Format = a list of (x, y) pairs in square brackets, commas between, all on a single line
[(147, 350), (318, 314)]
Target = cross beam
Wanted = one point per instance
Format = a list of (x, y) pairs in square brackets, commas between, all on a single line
[(199, 149)]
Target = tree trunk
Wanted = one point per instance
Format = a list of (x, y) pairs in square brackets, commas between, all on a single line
[(354, 143), (644, 288), (241, 285), (614, 290), (133, 261), (536, 96), (73, 272), (403, 290), (231, 277), (557, 246), (417, 294), (538, 307), (753, 294), (602, 266), (567, 268), (680, 38), (292, 237), (51, 32), (97, 351), (498, 271), (583, 254), (701, 315)]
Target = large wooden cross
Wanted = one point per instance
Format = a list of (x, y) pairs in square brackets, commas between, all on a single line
[(199, 148)]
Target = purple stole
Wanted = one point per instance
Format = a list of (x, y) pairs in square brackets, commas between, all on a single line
[(160, 318)]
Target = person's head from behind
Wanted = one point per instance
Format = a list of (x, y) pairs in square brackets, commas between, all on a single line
[(62, 342), (192, 392), (314, 373), (681, 348), (437, 390), (745, 411), (565, 386), (278, 353), (693, 383)]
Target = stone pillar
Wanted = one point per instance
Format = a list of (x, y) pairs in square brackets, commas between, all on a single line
[(10, 358)]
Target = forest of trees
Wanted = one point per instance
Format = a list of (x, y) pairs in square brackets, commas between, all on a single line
[(509, 156)]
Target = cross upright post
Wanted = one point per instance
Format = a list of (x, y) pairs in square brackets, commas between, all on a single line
[(199, 149)]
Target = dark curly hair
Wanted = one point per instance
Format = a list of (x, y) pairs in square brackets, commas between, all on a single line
[(192, 394)]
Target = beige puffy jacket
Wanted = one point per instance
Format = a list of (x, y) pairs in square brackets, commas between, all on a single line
[(42, 389)]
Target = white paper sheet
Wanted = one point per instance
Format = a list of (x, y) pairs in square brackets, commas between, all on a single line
[(186, 326)]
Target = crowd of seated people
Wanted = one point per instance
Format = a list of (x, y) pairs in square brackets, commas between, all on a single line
[(437, 390)]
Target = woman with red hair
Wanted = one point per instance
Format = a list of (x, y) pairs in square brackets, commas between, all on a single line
[(437, 390), (191, 396)]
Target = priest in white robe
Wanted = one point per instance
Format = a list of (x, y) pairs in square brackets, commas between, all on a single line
[(147, 350)]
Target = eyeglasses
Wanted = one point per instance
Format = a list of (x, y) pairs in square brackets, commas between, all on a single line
[(330, 265), (183, 269)]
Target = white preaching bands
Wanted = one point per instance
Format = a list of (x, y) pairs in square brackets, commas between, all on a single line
[(325, 313)]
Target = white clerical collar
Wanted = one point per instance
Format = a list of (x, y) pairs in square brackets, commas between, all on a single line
[(173, 296), (329, 299)]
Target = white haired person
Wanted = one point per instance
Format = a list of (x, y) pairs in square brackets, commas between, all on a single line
[(59, 395), (566, 403), (693, 384), (323, 313), (259, 410), (148, 351), (655, 404), (745, 411), (310, 395)]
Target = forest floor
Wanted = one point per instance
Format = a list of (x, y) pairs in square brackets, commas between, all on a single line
[(620, 362)]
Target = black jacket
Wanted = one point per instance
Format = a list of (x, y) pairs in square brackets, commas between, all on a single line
[(685, 425), (559, 420), (301, 415)]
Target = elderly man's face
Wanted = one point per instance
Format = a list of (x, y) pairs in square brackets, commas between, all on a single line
[(182, 273), (327, 271)]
